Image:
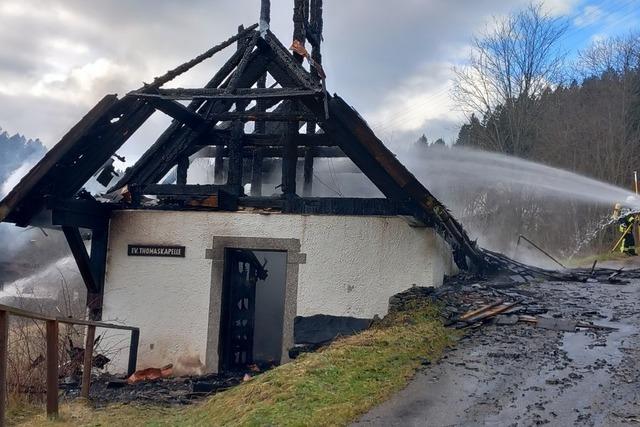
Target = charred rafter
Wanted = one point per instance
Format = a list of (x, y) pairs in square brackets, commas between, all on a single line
[(181, 94)]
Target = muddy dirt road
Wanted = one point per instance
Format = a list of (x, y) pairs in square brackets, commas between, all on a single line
[(521, 375)]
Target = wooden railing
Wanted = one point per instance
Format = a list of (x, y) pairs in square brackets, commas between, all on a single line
[(52, 353)]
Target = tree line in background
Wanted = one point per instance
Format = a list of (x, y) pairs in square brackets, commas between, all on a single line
[(524, 98), (16, 150)]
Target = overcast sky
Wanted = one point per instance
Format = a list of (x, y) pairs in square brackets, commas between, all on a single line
[(390, 59)]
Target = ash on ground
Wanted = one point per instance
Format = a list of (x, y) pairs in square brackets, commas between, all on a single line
[(107, 389), (565, 354)]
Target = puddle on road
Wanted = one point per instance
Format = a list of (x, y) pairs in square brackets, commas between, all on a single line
[(586, 347)]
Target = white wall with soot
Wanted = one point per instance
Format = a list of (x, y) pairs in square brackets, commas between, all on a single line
[(353, 265)]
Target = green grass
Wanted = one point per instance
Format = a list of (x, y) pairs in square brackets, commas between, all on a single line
[(588, 261), (330, 387)]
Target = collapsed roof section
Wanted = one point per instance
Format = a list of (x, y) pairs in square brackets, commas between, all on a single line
[(214, 121)]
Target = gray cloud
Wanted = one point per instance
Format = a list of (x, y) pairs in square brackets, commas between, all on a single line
[(66, 54)]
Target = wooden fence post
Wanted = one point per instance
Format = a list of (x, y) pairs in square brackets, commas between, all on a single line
[(133, 351), (52, 368), (88, 361), (4, 342)]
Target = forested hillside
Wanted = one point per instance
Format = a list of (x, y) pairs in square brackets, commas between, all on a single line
[(526, 96), (15, 151)]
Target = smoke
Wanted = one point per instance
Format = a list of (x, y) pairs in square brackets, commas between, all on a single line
[(30, 252), (15, 176), (441, 168), (497, 198)]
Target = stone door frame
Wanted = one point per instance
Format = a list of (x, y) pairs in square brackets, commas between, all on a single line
[(216, 254)]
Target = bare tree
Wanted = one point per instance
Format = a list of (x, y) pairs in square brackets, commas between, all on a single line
[(618, 55), (510, 66)]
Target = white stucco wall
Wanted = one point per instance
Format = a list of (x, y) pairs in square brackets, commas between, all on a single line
[(353, 265)]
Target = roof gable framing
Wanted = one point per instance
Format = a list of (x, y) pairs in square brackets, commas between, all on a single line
[(208, 121)]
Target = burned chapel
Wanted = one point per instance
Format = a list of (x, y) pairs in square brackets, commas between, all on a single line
[(242, 269)]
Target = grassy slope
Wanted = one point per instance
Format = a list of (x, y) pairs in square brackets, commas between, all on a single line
[(330, 387)]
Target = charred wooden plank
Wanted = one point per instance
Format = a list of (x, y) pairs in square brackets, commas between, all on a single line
[(98, 265), (182, 170), (215, 198), (277, 153), (179, 190), (307, 186), (289, 160), (390, 176), (299, 25), (291, 66), (29, 189), (218, 166), (314, 33), (256, 172), (181, 94), (78, 213), (261, 202), (79, 251), (176, 130), (346, 206), (261, 105), (221, 138), (265, 12), (252, 116), (163, 160), (235, 78), (234, 179), (172, 74), (178, 112), (128, 115)]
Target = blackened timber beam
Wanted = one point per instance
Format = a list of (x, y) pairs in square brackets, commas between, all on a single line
[(314, 33), (194, 120), (367, 163), (131, 114), (218, 166), (178, 112), (182, 170), (256, 172), (143, 170), (158, 166), (248, 50), (179, 190), (221, 138), (386, 167), (261, 105), (41, 175), (172, 74), (290, 75), (289, 161), (79, 251), (301, 140), (305, 9), (78, 213), (98, 264), (265, 14), (187, 197), (331, 205), (234, 177), (261, 202), (346, 206), (299, 25), (307, 186), (292, 67), (253, 116), (278, 153), (222, 94)]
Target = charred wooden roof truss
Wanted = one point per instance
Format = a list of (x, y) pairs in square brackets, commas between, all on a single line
[(213, 124)]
